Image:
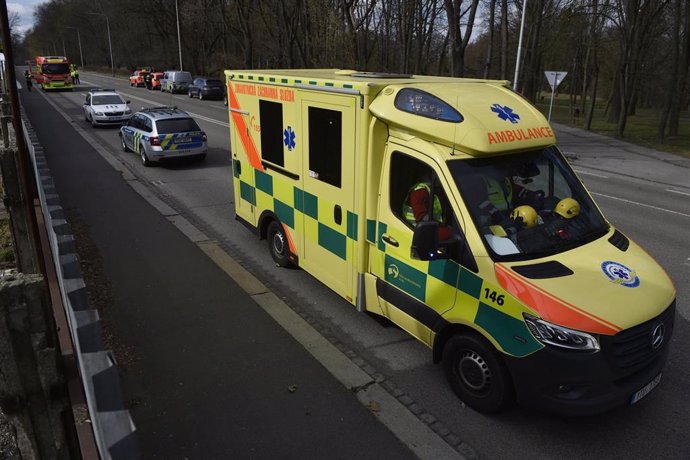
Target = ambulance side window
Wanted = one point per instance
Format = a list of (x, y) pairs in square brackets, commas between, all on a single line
[(271, 119), (406, 172), (325, 145)]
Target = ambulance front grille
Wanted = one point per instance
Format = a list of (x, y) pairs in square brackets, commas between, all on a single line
[(114, 114), (634, 348)]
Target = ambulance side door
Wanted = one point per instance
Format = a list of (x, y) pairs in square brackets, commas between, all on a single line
[(413, 293), (328, 140)]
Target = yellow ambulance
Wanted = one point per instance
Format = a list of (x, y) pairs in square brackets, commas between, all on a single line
[(444, 205)]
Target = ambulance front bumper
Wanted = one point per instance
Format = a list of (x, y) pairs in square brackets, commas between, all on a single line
[(624, 371)]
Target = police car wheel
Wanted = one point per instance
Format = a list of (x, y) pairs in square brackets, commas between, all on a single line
[(278, 244), (201, 96), (123, 144), (144, 158), (477, 374), (189, 93)]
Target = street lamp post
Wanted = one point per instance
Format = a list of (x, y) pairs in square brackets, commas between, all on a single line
[(110, 43), (179, 43), (81, 55), (519, 52)]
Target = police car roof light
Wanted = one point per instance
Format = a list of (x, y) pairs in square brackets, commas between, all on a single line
[(156, 109)]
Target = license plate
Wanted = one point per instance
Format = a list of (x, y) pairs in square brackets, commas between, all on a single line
[(644, 391), (183, 140)]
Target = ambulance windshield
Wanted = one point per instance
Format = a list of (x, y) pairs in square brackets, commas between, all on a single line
[(527, 205)]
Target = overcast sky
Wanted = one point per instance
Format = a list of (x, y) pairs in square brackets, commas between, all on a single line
[(25, 8)]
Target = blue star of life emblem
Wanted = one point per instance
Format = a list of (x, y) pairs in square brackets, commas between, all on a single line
[(505, 113), (289, 138)]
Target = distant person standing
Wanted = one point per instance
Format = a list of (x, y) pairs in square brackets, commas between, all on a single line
[(27, 77), (75, 75)]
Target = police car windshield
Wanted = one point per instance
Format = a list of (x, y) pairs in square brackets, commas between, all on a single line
[(527, 205), (107, 99), (176, 125)]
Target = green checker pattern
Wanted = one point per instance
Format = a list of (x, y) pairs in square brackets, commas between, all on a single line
[(305, 203), (511, 333)]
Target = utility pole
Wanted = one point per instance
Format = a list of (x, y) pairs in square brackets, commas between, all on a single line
[(179, 42), (81, 55), (519, 52)]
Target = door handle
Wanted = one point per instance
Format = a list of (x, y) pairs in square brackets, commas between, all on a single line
[(338, 214), (390, 240)]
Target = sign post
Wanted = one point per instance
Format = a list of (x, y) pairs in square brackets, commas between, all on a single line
[(554, 78)]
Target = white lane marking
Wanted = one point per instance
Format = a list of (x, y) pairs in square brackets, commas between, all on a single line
[(579, 171), (154, 103), (642, 204), (677, 191)]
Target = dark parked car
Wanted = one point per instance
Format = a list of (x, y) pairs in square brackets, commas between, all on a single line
[(206, 88)]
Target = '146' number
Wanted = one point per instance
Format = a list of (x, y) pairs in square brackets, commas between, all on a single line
[(494, 296)]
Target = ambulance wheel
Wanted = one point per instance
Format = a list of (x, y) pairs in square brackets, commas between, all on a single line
[(144, 158), (93, 122), (477, 374), (278, 244)]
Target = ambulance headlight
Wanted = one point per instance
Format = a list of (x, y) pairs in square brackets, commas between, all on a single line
[(98, 114), (128, 111), (560, 336)]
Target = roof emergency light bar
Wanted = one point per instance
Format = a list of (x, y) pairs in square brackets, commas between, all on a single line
[(163, 108)]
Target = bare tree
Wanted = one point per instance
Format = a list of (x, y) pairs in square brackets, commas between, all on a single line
[(455, 13)]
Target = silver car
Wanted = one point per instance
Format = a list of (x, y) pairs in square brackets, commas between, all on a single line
[(105, 107), (161, 133), (176, 81)]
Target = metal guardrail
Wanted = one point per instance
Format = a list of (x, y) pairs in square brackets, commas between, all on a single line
[(112, 424)]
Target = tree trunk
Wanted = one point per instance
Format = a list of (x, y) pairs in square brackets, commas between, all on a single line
[(489, 52), (681, 98)]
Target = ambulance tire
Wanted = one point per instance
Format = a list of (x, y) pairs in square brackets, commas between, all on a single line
[(477, 374), (278, 244)]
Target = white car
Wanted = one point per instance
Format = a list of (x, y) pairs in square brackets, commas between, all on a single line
[(105, 107)]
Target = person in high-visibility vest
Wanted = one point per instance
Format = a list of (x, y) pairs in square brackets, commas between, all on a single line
[(503, 194), (27, 77), (417, 206)]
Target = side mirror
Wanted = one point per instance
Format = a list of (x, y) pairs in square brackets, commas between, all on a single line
[(128, 102), (425, 241)]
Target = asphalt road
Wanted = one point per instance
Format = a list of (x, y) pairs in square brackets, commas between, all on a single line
[(652, 210)]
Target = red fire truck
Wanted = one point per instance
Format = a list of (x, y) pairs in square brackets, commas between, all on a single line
[(52, 72)]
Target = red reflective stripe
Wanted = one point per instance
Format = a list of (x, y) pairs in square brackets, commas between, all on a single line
[(291, 245), (551, 307), (243, 131)]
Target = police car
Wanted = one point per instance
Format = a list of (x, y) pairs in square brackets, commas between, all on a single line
[(105, 107), (161, 133)]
